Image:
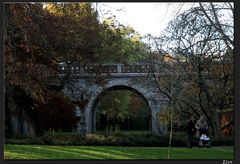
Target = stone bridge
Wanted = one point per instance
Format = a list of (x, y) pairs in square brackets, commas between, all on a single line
[(92, 81)]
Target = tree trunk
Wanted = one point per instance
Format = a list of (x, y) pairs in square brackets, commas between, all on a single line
[(14, 117), (30, 128), (217, 124)]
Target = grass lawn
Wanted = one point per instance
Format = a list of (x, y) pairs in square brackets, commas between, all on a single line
[(112, 152)]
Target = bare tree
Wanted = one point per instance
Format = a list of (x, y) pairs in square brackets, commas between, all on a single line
[(200, 41)]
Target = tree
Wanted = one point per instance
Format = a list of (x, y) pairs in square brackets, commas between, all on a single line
[(113, 106), (200, 42), (59, 114), (35, 42), (140, 114), (123, 108), (122, 44), (39, 36)]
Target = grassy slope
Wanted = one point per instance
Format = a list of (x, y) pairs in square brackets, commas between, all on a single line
[(111, 152)]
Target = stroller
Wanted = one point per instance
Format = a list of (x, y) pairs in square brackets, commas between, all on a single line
[(204, 141)]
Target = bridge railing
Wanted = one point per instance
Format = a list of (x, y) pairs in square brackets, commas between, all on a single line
[(105, 68)]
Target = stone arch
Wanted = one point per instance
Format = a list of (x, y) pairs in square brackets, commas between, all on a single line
[(92, 91), (154, 105), (116, 87)]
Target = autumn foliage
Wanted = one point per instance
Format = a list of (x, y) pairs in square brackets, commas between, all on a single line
[(58, 115), (38, 36)]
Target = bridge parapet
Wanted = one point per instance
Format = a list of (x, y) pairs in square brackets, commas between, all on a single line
[(104, 68)]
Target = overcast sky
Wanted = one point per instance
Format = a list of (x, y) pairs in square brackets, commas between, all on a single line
[(145, 17)]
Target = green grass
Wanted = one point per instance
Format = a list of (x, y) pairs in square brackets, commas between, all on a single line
[(112, 152)]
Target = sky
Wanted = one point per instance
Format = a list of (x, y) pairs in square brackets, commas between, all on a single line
[(145, 18)]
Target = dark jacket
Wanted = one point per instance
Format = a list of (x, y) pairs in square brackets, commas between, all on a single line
[(191, 128)]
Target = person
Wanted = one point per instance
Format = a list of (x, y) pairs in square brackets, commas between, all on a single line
[(201, 126), (191, 132)]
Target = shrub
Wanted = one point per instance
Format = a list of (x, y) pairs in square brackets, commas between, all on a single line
[(35, 140), (47, 139), (16, 136), (24, 141), (118, 139), (17, 141), (225, 141), (78, 140)]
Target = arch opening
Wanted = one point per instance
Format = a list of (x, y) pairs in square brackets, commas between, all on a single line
[(137, 117)]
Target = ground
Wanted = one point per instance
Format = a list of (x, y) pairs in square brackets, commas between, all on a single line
[(113, 152)]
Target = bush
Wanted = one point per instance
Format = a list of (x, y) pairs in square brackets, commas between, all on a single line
[(36, 141), (24, 141), (17, 141), (225, 141), (93, 139), (16, 136), (118, 139), (47, 139), (78, 140)]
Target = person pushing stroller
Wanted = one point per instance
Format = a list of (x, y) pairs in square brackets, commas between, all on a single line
[(202, 128)]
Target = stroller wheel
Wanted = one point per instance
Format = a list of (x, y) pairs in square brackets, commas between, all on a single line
[(200, 145)]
